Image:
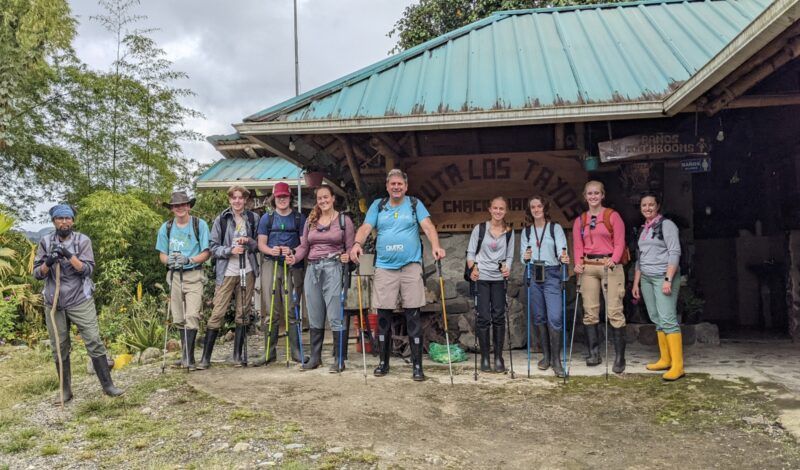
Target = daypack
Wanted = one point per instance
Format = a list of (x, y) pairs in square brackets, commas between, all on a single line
[(552, 236), (297, 227), (195, 228), (481, 236), (607, 212)]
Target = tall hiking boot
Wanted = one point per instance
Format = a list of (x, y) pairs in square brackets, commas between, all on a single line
[(416, 359), (191, 336), (243, 345), (499, 338), (675, 344), (181, 363), (664, 362), (483, 344), (544, 340), (67, 388), (317, 336), (272, 354), (294, 344), (556, 354), (384, 343), (618, 338), (238, 339), (208, 349), (338, 362), (593, 341), (104, 375)]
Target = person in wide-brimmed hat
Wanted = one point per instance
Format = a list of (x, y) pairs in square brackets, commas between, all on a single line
[(183, 246)]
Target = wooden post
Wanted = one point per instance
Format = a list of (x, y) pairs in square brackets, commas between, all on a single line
[(558, 135), (580, 138), (352, 162), (388, 153)]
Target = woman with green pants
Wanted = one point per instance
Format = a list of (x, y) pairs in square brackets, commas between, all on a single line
[(657, 274)]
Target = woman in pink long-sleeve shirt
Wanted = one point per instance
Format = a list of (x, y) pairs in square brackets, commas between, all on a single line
[(327, 238), (598, 237)]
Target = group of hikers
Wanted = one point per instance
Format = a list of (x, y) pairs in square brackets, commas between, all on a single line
[(289, 253)]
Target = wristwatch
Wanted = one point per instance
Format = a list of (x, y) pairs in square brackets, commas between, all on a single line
[(666, 278)]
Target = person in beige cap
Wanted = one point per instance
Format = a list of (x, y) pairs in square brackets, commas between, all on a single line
[(183, 246)]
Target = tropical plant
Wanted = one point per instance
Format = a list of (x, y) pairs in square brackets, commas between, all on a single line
[(20, 304)]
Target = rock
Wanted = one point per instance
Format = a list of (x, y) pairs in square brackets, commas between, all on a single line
[(513, 288), (241, 447), (706, 333), (450, 290), (196, 434), (647, 335), (462, 287), (458, 305), (219, 447), (293, 446), (146, 411), (467, 342), (173, 345), (431, 296), (92, 419), (266, 463), (315, 456), (226, 427), (335, 450), (518, 321), (161, 390), (277, 455), (464, 322), (150, 355)]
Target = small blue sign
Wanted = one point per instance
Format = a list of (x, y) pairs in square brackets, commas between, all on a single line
[(696, 165)]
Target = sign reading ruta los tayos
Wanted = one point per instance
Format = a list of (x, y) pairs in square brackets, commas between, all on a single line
[(651, 146), (457, 190)]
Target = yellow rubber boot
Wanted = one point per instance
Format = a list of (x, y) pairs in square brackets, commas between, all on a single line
[(675, 344), (663, 362)]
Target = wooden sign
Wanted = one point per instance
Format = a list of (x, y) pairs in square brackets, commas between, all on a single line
[(649, 146), (457, 189)]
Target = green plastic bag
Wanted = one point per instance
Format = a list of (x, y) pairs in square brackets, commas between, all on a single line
[(438, 353)]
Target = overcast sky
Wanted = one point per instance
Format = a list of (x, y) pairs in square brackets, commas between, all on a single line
[(239, 53)]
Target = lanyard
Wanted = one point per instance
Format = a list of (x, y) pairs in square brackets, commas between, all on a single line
[(539, 240)]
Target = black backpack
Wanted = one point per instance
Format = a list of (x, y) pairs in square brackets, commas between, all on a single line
[(297, 227), (195, 228), (481, 235)]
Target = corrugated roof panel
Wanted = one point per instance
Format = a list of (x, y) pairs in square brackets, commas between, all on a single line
[(625, 52), (249, 171)]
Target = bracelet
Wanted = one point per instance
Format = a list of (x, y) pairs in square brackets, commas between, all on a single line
[(357, 243)]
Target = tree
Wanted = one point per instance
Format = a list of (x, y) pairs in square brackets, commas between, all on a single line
[(429, 19)]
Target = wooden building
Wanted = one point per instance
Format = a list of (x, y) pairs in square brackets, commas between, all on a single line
[(696, 99)]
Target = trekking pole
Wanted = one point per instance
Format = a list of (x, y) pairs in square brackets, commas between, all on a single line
[(166, 322), (268, 339), (605, 299), (564, 313), (185, 347), (243, 287), (286, 311), (57, 337), (474, 288), (298, 318), (508, 323), (342, 295), (574, 320), (361, 319), (444, 316), (528, 321)]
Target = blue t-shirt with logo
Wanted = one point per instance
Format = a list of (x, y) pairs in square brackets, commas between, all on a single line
[(398, 241), (183, 239), (283, 232)]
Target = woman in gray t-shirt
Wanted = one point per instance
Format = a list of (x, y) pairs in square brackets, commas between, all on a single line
[(657, 273)]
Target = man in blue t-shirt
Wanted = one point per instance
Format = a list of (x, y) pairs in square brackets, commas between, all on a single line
[(398, 267), (278, 235), (184, 250)]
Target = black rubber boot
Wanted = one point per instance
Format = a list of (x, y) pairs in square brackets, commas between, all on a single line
[(237, 347), (104, 375), (337, 365), (191, 336), (208, 349), (544, 340), (243, 345), (416, 359), (483, 343), (384, 342), (556, 354), (317, 337), (272, 354), (67, 388), (181, 363), (593, 341), (294, 343), (499, 339), (618, 337)]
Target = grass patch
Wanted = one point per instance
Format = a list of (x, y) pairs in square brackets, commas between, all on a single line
[(98, 433), (26, 373), (333, 461), (49, 449), (20, 441), (7, 421)]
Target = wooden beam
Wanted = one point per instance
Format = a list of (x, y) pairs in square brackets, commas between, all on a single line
[(250, 152), (759, 73), (391, 157), (580, 138), (415, 145), (398, 149), (558, 136), (355, 171)]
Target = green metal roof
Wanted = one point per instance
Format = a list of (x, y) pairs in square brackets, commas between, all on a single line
[(637, 52), (251, 173)]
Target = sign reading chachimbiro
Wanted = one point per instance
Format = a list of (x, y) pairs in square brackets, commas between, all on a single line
[(649, 146), (457, 190)]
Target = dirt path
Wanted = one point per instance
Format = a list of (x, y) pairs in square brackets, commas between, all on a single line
[(632, 422)]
